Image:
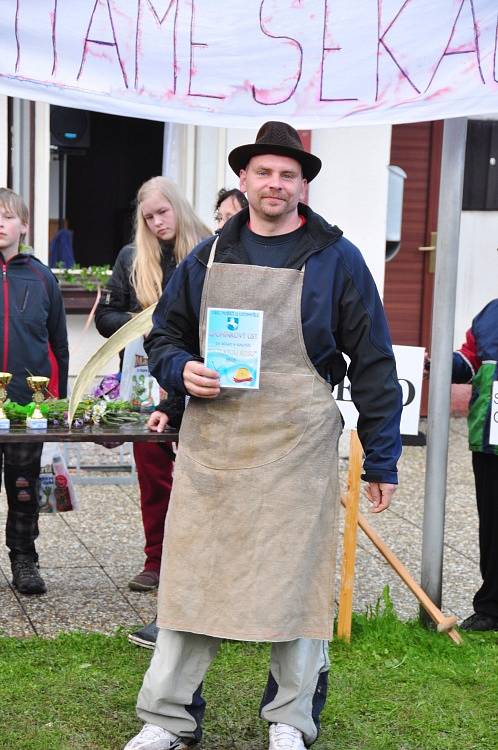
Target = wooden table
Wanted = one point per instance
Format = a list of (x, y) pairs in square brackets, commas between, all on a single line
[(126, 433)]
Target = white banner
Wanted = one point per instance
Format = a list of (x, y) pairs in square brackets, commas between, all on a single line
[(410, 368), (311, 62)]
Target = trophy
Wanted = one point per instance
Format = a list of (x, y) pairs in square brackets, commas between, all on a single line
[(38, 384), (5, 378)]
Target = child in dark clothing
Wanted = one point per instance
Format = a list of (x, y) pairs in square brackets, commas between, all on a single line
[(32, 320)]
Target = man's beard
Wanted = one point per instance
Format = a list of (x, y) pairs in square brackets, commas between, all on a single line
[(273, 211)]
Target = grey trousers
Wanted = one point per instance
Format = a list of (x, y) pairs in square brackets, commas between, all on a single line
[(170, 696)]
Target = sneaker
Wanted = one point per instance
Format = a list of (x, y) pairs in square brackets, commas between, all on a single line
[(145, 637), (155, 738), (285, 737), (26, 577), (147, 580), (479, 622)]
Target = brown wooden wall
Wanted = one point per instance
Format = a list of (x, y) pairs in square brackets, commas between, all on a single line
[(416, 148)]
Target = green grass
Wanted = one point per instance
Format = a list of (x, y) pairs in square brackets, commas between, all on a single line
[(395, 687)]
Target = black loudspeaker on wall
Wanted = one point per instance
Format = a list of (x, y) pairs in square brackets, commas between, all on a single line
[(69, 128)]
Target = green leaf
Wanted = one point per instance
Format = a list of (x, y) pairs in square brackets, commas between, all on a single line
[(137, 326)]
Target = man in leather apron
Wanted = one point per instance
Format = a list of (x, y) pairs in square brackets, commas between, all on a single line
[(251, 533)]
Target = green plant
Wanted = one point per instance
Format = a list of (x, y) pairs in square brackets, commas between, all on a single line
[(89, 277), (112, 413)]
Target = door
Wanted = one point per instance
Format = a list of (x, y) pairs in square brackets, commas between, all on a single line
[(102, 183), (409, 279)]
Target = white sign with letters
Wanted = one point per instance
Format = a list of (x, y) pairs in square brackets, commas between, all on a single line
[(410, 367), (493, 428), (313, 63)]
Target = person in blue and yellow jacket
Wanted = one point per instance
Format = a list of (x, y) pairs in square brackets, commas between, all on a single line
[(476, 362)]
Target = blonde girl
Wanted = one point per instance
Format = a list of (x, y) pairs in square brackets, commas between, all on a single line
[(166, 230)]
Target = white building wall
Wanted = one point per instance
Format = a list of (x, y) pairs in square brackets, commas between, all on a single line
[(21, 152), (234, 138), (179, 157), (351, 189), (3, 141), (206, 173), (211, 164), (477, 267), (42, 180)]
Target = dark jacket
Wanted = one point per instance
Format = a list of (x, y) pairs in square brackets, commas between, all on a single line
[(119, 300), (31, 317), (341, 312), (118, 303), (476, 362)]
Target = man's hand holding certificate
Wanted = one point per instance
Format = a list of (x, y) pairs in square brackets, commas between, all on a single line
[(200, 381)]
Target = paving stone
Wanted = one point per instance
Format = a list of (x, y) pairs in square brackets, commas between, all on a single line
[(83, 610), (88, 557), (13, 619), (92, 578)]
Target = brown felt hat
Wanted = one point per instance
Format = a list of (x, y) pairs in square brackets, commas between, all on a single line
[(276, 138)]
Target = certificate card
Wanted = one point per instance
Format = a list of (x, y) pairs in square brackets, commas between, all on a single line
[(233, 346)]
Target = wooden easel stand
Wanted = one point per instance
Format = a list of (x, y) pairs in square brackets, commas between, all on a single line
[(353, 518)]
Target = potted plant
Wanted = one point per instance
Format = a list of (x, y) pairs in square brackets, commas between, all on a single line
[(80, 286)]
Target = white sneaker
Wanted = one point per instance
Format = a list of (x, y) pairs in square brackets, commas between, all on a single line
[(152, 737), (285, 737)]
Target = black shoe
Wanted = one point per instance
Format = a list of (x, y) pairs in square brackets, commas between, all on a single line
[(145, 637), (26, 577), (479, 622)]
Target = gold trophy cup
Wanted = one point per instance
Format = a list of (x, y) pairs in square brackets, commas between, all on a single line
[(38, 384), (5, 378)]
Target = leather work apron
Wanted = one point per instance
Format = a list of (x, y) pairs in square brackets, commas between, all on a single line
[(251, 531)]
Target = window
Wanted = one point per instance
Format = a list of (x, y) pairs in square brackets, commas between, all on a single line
[(480, 186)]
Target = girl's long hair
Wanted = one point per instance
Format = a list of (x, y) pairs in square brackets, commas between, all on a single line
[(146, 273)]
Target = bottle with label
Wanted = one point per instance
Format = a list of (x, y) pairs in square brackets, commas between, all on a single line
[(46, 499), (63, 487)]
